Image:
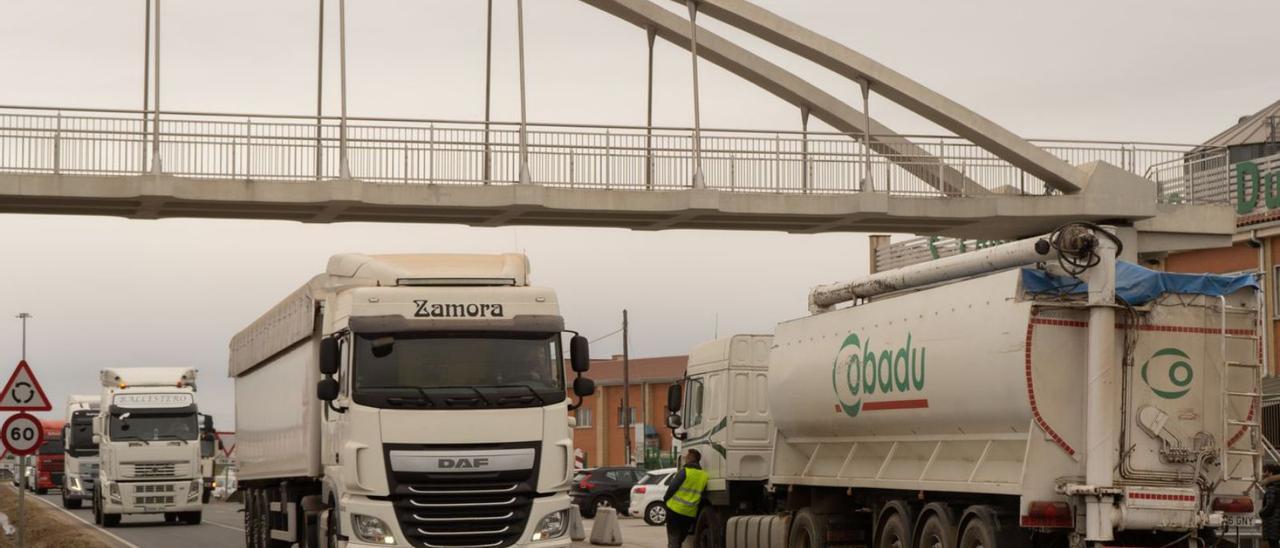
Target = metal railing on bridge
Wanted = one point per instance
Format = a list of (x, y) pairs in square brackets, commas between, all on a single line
[(408, 151)]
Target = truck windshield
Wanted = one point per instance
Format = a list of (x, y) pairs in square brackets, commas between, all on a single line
[(51, 446), (81, 434), (463, 369), (153, 427)]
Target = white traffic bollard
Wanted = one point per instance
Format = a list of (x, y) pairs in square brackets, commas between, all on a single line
[(606, 531), (576, 530)]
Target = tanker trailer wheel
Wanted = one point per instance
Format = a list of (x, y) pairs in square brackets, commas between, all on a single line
[(982, 531), (895, 534), (978, 533), (708, 531), (808, 530), (938, 531)]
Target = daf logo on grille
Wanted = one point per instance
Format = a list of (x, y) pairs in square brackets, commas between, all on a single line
[(474, 460), (463, 463)]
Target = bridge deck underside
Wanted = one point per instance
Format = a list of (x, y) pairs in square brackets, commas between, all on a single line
[(164, 196)]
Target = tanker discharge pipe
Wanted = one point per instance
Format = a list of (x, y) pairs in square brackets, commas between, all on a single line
[(1019, 253)]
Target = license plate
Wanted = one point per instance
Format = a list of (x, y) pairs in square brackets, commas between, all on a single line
[(1240, 520), (153, 508)]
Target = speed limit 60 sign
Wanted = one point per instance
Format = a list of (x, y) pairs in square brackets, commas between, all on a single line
[(22, 434)]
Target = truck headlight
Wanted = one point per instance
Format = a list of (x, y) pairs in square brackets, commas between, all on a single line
[(193, 490), (75, 484), (552, 525), (371, 529), (113, 489)]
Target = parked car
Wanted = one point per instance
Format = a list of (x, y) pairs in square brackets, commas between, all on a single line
[(604, 487), (646, 496)]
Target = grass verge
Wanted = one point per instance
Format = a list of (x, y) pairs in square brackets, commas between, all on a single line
[(47, 527)]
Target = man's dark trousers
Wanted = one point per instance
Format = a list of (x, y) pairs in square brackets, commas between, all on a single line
[(678, 527)]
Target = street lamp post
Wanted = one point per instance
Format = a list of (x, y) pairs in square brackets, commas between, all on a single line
[(22, 460)]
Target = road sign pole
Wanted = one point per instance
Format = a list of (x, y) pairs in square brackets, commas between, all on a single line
[(22, 487)]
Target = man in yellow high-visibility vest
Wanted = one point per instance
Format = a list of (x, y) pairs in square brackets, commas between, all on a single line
[(684, 495)]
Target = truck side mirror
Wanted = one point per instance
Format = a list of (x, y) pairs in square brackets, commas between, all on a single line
[(583, 387), (674, 421), (208, 423), (674, 399), (579, 354), (329, 356), (327, 390)]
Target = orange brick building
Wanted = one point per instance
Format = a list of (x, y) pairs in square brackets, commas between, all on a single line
[(599, 431)]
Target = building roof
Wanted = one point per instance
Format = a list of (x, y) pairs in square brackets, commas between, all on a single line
[(652, 370), (1261, 127)]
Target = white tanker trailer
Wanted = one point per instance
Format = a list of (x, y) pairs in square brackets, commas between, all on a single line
[(1011, 405)]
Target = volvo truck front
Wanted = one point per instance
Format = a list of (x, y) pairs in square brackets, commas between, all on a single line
[(80, 453), (148, 436), (407, 400)]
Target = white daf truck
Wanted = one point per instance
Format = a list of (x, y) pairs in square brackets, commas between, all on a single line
[(80, 453), (407, 400), (148, 436), (1006, 398)]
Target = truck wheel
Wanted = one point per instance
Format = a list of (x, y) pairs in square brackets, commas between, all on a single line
[(110, 520), (250, 521), (655, 513), (331, 528), (191, 518), (97, 507), (708, 531), (809, 530), (982, 531), (71, 504), (42, 491), (170, 517), (937, 532), (894, 533)]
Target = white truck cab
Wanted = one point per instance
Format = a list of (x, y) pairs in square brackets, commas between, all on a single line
[(80, 453), (408, 400), (148, 436)]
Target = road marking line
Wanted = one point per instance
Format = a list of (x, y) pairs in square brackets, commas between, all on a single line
[(86, 522), (223, 525)]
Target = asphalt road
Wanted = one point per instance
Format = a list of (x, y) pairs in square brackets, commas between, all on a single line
[(223, 526)]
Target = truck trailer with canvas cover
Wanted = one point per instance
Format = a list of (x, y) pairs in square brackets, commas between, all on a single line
[(148, 436), (996, 408), (407, 400), (80, 452)]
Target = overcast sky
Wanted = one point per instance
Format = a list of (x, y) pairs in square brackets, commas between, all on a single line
[(112, 292)]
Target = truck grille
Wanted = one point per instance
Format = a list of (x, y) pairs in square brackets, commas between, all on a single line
[(152, 495), (463, 509), (152, 470)]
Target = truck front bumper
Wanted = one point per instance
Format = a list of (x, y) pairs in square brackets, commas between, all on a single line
[(542, 507), (151, 497)]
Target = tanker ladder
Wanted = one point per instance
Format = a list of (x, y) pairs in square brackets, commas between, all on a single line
[(1251, 424)]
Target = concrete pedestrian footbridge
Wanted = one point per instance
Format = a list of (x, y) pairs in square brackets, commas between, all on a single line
[(979, 180)]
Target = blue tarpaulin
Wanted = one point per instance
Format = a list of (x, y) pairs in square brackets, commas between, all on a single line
[(1138, 285)]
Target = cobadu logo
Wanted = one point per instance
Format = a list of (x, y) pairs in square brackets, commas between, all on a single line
[(428, 309), (463, 463), (860, 372), (1179, 373)]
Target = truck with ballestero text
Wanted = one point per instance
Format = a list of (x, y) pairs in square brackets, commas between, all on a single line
[(408, 400), (148, 435)]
